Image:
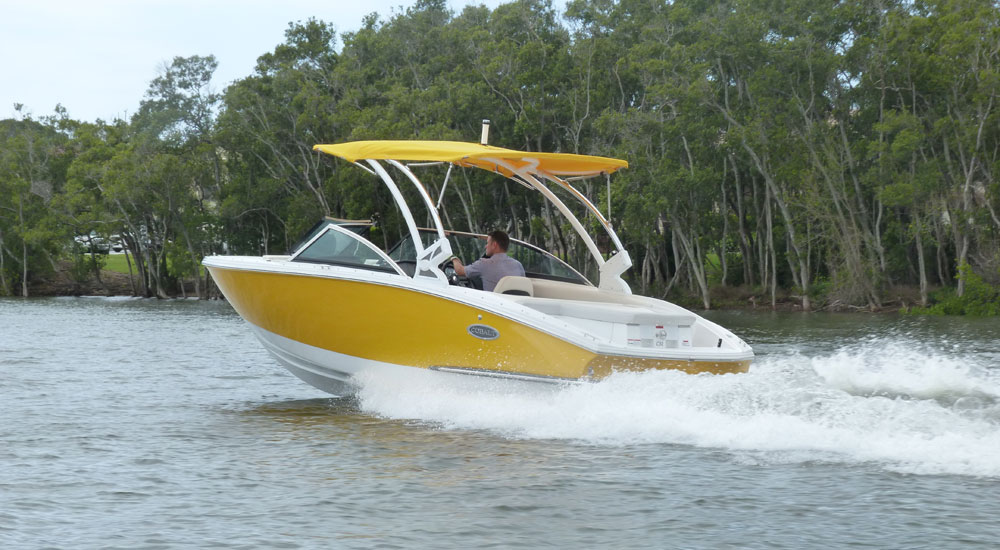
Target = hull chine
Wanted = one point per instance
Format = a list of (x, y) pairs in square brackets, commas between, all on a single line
[(503, 375), (325, 370)]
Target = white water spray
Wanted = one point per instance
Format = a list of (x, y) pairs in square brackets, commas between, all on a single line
[(894, 404)]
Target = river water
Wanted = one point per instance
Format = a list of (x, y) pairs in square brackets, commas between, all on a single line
[(129, 423)]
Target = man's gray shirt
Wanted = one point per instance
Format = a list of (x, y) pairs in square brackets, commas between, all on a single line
[(493, 269)]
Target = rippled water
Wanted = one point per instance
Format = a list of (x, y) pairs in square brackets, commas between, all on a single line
[(163, 424)]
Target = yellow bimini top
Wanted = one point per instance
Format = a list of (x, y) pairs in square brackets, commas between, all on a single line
[(476, 156)]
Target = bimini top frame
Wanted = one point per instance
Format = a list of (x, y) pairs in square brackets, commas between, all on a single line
[(528, 168)]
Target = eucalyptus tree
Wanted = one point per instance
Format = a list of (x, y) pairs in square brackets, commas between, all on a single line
[(845, 214), (908, 180), (401, 81), (933, 79), (268, 124), (750, 85), (546, 93), (518, 52), (963, 37), (33, 160), (673, 145), (82, 203), (158, 182)]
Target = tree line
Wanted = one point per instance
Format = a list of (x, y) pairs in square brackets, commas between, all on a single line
[(831, 151)]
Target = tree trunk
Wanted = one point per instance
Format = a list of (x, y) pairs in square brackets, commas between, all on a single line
[(939, 255), (24, 248), (4, 289), (770, 258), (802, 278), (746, 248), (961, 240), (196, 261), (645, 273), (697, 263), (97, 269), (131, 280), (921, 264), (659, 251), (24, 268), (725, 235), (963, 259)]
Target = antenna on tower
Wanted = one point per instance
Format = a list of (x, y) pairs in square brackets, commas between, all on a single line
[(485, 137)]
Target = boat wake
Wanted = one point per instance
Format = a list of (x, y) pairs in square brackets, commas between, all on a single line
[(894, 404)]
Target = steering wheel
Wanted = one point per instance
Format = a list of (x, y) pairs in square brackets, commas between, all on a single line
[(449, 271)]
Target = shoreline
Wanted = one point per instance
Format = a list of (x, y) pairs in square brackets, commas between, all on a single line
[(116, 284), (111, 284)]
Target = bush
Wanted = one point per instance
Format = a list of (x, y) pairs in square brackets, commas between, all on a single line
[(85, 264), (980, 298)]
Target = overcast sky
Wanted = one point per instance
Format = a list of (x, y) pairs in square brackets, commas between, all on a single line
[(97, 57)]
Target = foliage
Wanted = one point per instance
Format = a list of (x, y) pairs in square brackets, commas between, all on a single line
[(980, 299), (825, 151), (85, 263)]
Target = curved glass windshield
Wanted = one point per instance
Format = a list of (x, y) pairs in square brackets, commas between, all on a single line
[(470, 247), (536, 261), (343, 248), (355, 226)]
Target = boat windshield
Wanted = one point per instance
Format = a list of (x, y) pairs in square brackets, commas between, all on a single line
[(341, 246), (468, 246), (361, 227)]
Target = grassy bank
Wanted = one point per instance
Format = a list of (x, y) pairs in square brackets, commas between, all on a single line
[(117, 263)]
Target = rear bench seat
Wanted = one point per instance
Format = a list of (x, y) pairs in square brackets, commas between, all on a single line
[(587, 302)]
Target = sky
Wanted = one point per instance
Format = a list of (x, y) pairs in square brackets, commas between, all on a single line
[(96, 58)]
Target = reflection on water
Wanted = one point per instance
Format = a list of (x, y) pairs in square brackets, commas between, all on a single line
[(163, 424), (406, 448), (333, 409)]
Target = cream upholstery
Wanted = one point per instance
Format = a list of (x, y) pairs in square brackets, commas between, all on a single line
[(589, 302), (512, 284)]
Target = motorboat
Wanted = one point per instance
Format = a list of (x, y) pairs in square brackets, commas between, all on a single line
[(339, 305)]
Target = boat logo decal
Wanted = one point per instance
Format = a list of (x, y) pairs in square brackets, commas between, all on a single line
[(484, 332)]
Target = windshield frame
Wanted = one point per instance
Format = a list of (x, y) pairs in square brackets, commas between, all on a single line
[(318, 233)]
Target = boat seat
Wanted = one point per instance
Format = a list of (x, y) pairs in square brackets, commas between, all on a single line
[(607, 312), (517, 286), (569, 291)]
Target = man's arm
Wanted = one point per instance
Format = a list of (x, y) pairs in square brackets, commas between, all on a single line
[(459, 268), (472, 270)]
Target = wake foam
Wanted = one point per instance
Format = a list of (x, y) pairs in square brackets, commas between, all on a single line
[(905, 408)]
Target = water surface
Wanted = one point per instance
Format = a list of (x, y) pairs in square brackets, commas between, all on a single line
[(163, 424)]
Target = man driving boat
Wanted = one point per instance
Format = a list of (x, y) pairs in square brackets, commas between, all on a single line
[(495, 266)]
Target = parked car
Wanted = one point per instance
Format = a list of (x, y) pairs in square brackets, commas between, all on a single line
[(93, 242)]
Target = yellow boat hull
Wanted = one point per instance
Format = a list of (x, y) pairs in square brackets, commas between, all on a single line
[(386, 324)]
